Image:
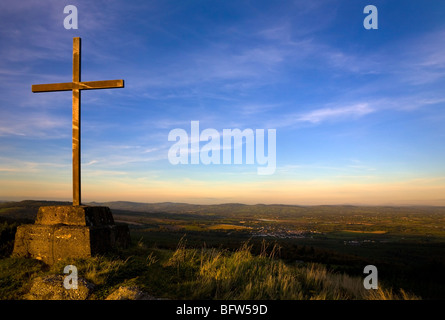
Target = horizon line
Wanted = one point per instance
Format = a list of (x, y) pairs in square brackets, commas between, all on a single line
[(237, 203)]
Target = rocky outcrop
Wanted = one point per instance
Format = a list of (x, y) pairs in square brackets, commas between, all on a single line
[(52, 288), (129, 293)]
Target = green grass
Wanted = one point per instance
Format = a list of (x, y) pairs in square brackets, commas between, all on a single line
[(190, 273), (15, 276)]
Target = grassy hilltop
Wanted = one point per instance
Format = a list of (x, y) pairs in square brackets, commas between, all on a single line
[(235, 251)]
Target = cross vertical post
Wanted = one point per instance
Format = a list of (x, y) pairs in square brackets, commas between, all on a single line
[(76, 123)]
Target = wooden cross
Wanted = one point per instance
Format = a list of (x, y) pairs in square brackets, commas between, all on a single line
[(76, 86)]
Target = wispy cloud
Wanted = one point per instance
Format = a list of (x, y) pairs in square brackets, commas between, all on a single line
[(13, 165), (326, 114), (90, 163), (424, 60), (34, 125)]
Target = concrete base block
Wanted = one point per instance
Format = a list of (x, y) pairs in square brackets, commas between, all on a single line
[(70, 232)]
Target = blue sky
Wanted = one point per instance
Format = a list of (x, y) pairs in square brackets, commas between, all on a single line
[(358, 113)]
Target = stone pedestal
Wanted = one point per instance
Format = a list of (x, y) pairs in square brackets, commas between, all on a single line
[(70, 232)]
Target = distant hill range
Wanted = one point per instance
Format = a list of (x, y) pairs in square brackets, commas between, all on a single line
[(27, 209), (175, 207)]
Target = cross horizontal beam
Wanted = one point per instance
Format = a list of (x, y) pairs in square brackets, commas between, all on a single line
[(85, 85)]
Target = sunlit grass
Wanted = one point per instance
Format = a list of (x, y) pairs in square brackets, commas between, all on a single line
[(241, 275)]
